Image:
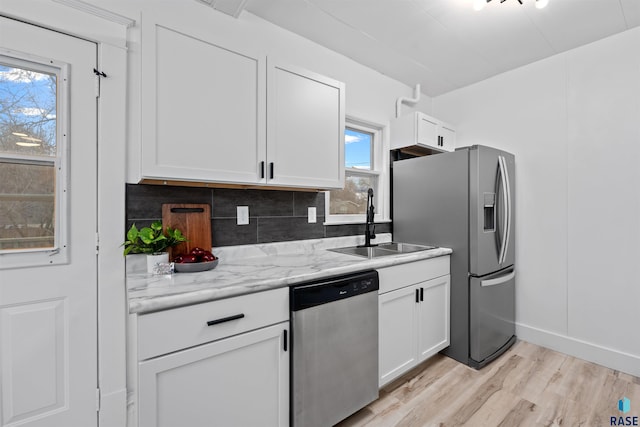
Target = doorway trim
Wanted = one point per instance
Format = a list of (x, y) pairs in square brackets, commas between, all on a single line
[(111, 38)]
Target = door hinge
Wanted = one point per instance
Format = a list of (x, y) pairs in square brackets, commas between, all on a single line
[(97, 86), (97, 400), (98, 74), (97, 243)]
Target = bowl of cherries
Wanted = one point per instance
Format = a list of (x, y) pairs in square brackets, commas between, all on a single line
[(196, 260)]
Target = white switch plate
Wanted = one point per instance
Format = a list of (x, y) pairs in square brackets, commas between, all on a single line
[(243, 215), (311, 214)]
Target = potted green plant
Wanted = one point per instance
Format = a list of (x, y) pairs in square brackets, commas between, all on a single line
[(153, 242)]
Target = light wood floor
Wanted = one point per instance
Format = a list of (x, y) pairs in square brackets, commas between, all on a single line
[(527, 386)]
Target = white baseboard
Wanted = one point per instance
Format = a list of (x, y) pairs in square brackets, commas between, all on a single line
[(604, 356)]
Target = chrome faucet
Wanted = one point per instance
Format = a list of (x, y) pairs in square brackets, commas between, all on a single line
[(370, 226)]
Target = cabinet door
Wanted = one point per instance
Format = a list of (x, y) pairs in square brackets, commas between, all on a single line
[(237, 381), (398, 332), (433, 316), (447, 137), (305, 128), (203, 105), (427, 130)]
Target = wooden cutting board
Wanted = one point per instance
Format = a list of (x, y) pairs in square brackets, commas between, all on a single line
[(194, 220)]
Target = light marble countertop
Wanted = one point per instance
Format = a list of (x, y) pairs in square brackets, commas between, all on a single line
[(254, 268)]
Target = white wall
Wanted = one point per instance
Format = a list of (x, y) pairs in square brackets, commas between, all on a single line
[(573, 122)]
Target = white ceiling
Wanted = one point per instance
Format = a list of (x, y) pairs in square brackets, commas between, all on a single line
[(446, 44)]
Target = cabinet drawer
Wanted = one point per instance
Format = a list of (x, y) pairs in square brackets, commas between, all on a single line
[(170, 330), (399, 276)]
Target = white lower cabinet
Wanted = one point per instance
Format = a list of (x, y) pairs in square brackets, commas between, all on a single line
[(237, 381), (398, 333), (433, 316), (414, 315), (222, 363)]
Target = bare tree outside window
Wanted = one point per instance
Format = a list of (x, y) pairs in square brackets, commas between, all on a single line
[(353, 198), (28, 156)]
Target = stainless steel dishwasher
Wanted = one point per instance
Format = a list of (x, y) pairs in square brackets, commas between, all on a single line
[(334, 348)]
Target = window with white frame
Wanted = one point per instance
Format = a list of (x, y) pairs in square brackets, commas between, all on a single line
[(31, 166), (363, 170)]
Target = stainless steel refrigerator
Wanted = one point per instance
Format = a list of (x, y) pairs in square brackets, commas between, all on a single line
[(465, 200)]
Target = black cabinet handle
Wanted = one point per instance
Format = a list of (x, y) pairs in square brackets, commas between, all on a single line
[(285, 340), (421, 294), (417, 296), (262, 169), (271, 170), (225, 319), (442, 141)]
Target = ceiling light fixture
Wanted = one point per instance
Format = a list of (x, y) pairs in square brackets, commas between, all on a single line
[(541, 3), (480, 4)]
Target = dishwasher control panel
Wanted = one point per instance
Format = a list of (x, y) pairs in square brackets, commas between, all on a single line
[(306, 295)]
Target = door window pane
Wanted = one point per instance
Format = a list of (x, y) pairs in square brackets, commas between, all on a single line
[(28, 155), (27, 206), (353, 198), (27, 111)]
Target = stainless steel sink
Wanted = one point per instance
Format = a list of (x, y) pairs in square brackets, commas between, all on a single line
[(383, 249), (405, 248)]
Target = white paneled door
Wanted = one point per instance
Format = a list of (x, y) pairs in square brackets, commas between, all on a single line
[(48, 269)]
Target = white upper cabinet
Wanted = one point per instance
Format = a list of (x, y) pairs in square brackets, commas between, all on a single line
[(202, 108), (305, 128), (426, 130), (419, 129), (447, 135), (206, 103)]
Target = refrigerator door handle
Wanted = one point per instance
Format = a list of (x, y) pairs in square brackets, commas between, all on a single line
[(505, 203), (499, 280), (509, 208)]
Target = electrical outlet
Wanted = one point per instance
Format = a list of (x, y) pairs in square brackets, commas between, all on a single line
[(243, 215), (311, 214)]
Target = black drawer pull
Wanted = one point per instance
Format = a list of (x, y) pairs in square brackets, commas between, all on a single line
[(417, 296), (225, 319), (186, 210), (421, 294), (262, 169), (271, 170), (285, 345)]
